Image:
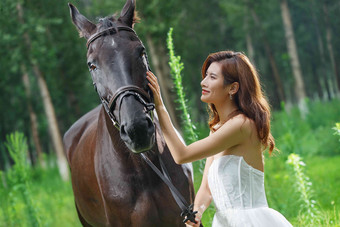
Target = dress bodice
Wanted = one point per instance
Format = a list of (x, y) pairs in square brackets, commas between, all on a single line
[(234, 184)]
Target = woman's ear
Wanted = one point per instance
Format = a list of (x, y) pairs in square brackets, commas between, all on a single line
[(234, 88)]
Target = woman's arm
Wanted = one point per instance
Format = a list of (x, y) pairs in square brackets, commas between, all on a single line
[(230, 134), (203, 197)]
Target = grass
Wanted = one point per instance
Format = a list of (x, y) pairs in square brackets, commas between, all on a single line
[(52, 198)]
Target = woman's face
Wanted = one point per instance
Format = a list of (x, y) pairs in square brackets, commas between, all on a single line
[(213, 89)]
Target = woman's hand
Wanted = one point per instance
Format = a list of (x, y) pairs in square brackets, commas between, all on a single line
[(197, 219), (154, 86)]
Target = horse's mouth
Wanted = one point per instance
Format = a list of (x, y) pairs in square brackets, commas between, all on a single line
[(139, 147), (138, 135)]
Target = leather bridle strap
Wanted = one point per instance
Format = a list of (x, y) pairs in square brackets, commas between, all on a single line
[(109, 31), (141, 95), (187, 210), (124, 89)]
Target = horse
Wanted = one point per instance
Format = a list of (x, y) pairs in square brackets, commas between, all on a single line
[(112, 184)]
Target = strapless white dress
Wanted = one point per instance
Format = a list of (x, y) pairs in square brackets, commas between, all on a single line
[(239, 196)]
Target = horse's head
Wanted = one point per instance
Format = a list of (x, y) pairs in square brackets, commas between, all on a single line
[(118, 63)]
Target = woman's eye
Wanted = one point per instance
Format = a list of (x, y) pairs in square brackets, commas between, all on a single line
[(92, 66)]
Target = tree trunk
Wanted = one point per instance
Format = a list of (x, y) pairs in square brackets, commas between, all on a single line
[(48, 107), (269, 53), (33, 116), (162, 72), (300, 91), (249, 42), (321, 70), (336, 79)]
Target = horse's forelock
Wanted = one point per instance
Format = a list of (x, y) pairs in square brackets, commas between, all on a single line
[(107, 22)]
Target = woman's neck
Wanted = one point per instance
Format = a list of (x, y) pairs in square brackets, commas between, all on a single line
[(225, 109)]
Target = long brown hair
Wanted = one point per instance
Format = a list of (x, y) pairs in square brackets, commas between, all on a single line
[(249, 99)]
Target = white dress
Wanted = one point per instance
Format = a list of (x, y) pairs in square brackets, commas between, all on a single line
[(239, 196)]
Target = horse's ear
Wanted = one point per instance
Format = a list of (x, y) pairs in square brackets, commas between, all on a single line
[(127, 15), (84, 26)]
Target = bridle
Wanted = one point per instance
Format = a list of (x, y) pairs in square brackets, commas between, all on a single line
[(145, 99), (140, 94)]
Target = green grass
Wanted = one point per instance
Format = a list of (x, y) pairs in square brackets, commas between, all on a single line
[(52, 198)]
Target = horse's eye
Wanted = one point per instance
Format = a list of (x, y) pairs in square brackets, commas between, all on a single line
[(92, 66), (144, 58)]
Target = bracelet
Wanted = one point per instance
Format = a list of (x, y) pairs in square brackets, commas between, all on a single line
[(201, 209)]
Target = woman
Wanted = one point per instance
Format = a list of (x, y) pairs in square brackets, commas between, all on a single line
[(239, 132)]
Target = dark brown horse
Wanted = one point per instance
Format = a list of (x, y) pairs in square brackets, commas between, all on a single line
[(112, 184)]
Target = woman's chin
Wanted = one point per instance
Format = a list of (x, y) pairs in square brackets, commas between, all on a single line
[(204, 99)]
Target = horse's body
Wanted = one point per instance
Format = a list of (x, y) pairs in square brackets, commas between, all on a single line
[(113, 186)]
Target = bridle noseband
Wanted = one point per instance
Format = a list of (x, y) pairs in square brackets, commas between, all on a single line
[(140, 94), (122, 92)]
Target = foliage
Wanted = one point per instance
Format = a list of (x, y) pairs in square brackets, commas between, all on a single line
[(176, 67), (309, 136), (25, 193), (60, 53), (283, 195), (59, 56), (337, 129), (303, 186), (17, 186)]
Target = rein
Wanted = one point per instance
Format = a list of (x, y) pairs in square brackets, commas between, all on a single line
[(187, 210), (146, 100)]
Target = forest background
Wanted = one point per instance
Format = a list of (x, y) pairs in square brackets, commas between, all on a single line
[(45, 84)]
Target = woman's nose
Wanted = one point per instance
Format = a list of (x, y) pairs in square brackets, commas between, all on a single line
[(203, 82)]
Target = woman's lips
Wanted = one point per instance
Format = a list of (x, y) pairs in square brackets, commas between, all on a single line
[(204, 92)]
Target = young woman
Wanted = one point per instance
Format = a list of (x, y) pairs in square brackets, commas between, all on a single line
[(239, 132)]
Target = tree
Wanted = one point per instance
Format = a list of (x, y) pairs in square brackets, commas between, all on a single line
[(32, 114), (329, 37), (321, 77), (294, 59), (269, 53), (48, 106)]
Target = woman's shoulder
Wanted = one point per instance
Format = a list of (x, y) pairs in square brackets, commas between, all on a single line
[(245, 123)]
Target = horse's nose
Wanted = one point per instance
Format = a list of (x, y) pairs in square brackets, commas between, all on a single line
[(138, 134)]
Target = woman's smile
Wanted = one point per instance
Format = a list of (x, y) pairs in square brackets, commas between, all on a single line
[(204, 92)]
